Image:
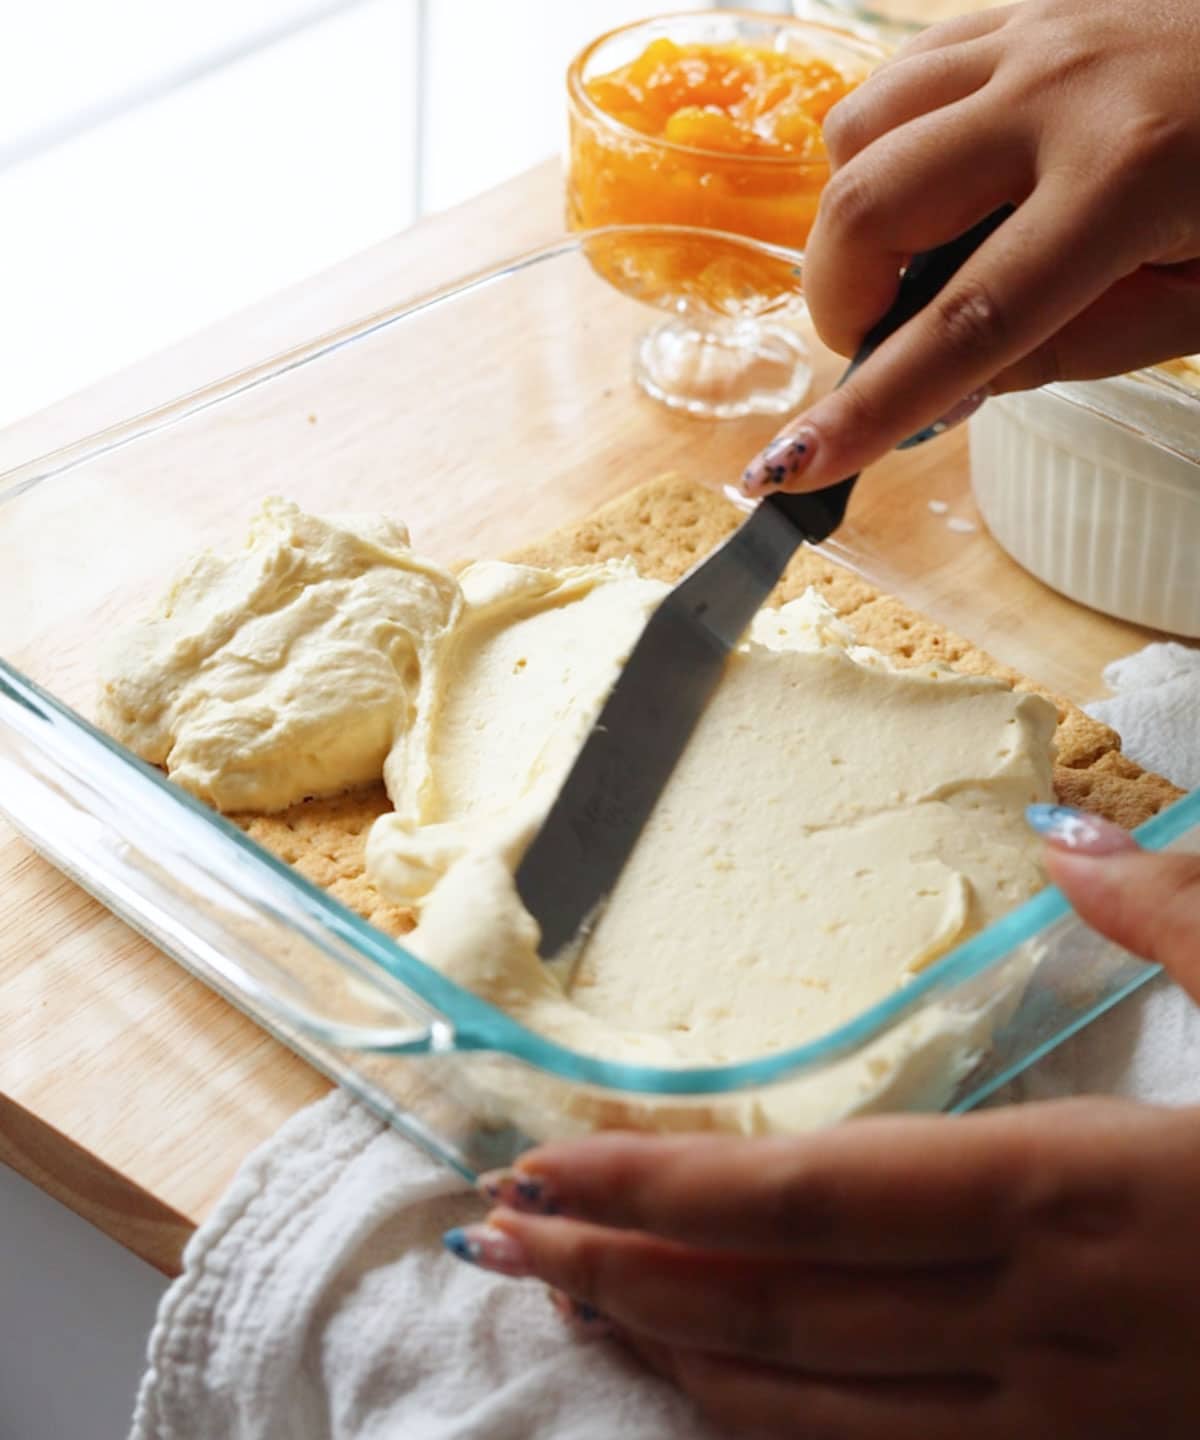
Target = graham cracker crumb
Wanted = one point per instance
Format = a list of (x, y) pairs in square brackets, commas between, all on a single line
[(325, 840)]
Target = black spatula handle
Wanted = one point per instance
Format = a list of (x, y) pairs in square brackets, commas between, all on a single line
[(818, 514)]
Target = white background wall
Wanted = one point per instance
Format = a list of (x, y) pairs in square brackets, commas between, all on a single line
[(75, 1310), (162, 164)]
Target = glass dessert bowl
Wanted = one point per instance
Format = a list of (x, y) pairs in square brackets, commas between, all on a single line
[(712, 120)]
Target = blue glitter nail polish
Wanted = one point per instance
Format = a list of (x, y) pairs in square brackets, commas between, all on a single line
[(519, 1191), (930, 432), (965, 408), (488, 1247), (459, 1244), (1078, 830)]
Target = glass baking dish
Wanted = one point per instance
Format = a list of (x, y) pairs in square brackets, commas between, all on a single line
[(513, 389), (895, 20)]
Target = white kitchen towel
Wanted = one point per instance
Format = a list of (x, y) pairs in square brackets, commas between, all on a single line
[(1155, 708), (316, 1302), (1148, 1047)]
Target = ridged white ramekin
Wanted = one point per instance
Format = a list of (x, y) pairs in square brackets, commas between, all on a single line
[(1095, 488)]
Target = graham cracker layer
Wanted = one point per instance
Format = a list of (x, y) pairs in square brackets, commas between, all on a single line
[(665, 526)]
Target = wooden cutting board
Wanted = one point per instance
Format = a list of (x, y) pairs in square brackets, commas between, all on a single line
[(131, 1092)]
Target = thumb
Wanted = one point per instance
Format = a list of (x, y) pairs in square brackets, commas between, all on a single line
[(1148, 903)]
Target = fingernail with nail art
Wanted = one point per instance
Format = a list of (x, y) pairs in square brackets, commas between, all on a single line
[(786, 458), (580, 1316), (518, 1190), (1078, 831), (488, 1247), (954, 416)]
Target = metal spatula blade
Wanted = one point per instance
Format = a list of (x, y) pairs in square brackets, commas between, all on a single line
[(574, 861)]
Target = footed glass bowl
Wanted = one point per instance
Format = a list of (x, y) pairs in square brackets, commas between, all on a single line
[(738, 354)]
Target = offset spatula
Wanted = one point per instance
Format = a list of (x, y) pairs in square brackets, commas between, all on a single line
[(573, 862)]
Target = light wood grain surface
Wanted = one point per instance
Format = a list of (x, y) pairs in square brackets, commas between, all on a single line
[(127, 1089)]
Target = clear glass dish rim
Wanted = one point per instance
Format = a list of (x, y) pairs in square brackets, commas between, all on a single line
[(47, 466), (474, 1024), (1152, 375), (886, 23), (1103, 399)]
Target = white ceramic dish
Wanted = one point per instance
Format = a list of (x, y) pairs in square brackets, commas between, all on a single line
[(1095, 488)]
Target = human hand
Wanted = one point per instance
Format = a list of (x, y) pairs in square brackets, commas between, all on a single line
[(1086, 115), (1028, 1273)]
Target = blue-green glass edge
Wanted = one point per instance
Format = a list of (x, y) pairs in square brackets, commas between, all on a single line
[(1072, 1027), (476, 1024), (480, 1026), (27, 475)]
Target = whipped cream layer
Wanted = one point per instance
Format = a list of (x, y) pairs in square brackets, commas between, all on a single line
[(288, 668), (834, 825)]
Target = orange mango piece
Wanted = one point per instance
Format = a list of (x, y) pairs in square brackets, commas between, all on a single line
[(722, 110)]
